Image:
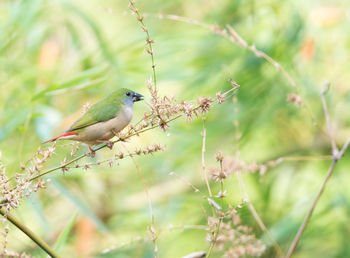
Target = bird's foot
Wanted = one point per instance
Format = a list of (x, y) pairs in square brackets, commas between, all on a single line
[(109, 144), (91, 153)]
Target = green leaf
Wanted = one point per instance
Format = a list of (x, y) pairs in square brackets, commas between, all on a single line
[(35, 203), (18, 118), (63, 237), (107, 53), (82, 207), (90, 78)]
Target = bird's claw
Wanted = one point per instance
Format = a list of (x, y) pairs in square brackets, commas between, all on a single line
[(109, 144), (91, 153)]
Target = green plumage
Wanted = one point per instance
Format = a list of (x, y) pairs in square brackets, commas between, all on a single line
[(102, 111)]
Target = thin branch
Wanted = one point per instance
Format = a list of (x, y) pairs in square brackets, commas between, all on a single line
[(184, 19), (152, 228), (220, 216), (195, 189), (205, 175), (335, 159), (109, 250), (234, 37), (301, 158), (149, 41), (336, 156), (328, 120), (215, 237), (257, 217), (184, 227), (41, 243)]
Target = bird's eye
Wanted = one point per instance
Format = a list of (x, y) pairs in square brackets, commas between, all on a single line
[(128, 93)]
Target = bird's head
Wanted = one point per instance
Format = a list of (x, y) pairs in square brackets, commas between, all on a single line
[(130, 96)]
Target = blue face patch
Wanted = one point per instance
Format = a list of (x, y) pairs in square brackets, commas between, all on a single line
[(128, 101)]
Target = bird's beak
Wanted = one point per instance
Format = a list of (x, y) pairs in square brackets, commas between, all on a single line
[(137, 97)]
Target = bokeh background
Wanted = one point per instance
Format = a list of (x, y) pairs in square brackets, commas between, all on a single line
[(55, 56)]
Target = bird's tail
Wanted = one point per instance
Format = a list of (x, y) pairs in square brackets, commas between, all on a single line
[(58, 137)]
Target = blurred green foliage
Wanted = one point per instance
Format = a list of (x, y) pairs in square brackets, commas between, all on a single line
[(57, 55)]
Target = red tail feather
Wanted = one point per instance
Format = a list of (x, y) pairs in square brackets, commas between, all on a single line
[(62, 135)]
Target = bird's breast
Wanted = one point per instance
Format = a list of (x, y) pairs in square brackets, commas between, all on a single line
[(107, 129), (120, 121)]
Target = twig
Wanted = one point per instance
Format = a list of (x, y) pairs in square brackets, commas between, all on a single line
[(152, 228), (205, 175), (184, 227), (299, 158), (328, 120), (44, 246), (195, 189), (234, 37), (335, 159), (212, 244), (149, 41), (215, 238), (184, 19), (336, 156), (257, 217), (120, 246)]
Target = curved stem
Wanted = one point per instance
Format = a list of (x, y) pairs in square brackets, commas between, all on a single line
[(215, 238), (149, 41), (307, 218), (220, 217), (44, 246), (256, 216)]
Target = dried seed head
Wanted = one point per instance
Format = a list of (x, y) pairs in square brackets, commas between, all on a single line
[(86, 107), (187, 108), (205, 103), (221, 194), (294, 99), (220, 97), (219, 156), (164, 125), (120, 155)]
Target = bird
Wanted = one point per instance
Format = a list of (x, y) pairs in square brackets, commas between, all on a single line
[(103, 120)]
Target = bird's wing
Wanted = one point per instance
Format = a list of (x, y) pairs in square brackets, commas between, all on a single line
[(100, 112)]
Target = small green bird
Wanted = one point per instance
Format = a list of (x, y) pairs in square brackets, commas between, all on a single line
[(103, 120)]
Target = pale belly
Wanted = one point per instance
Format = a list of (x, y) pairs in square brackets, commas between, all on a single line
[(101, 131)]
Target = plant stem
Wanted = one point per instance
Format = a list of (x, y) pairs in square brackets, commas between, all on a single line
[(220, 216), (257, 217), (215, 238), (328, 121), (152, 228), (44, 246), (204, 134), (302, 227), (336, 156), (149, 41)]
